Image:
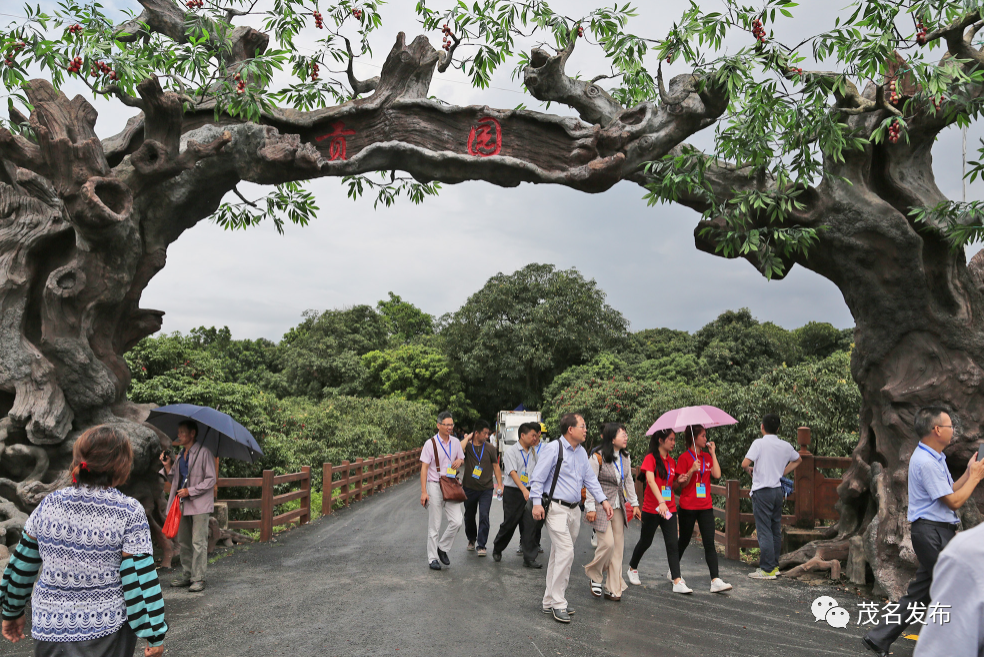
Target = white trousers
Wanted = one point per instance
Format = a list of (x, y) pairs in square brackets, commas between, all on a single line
[(563, 525), (436, 508)]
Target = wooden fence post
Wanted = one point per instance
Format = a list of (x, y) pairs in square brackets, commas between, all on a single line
[(804, 478), (266, 507), (306, 500), (732, 531), (358, 490), (326, 489)]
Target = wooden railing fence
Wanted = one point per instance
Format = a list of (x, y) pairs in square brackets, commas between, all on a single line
[(366, 476), (267, 501)]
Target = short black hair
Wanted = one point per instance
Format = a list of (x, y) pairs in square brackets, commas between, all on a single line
[(444, 415), (527, 427), (481, 424), (190, 425), (568, 422), (927, 418), (770, 422)]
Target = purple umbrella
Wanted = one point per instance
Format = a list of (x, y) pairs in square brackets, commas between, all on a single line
[(681, 418)]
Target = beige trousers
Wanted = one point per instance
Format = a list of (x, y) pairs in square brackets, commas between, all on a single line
[(437, 509), (193, 542), (608, 555), (563, 525)]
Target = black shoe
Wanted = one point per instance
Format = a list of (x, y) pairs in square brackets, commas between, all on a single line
[(497, 557), (434, 565), (531, 564), (548, 610), (561, 616), (443, 556), (870, 645)]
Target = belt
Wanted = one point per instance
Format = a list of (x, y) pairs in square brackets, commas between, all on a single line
[(937, 523), (569, 505)]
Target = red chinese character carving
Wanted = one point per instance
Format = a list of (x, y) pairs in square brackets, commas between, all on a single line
[(336, 149), (485, 138)]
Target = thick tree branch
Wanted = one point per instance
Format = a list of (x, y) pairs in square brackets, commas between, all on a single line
[(546, 80), (358, 86)]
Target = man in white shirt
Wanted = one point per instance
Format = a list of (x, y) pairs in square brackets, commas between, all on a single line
[(440, 457), (517, 464), (773, 458)]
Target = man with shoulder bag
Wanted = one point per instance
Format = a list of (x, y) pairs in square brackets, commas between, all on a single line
[(440, 491), (563, 469)]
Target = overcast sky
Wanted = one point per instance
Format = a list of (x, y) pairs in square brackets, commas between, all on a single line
[(437, 254)]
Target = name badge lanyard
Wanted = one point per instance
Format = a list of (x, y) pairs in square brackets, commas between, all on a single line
[(476, 453), (669, 476), (936, 456), (526, 460), (447, 452), (703, 465)]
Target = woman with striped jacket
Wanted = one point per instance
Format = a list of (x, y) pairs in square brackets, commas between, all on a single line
[(88, 547)]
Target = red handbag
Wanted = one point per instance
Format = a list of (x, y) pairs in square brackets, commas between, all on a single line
[(173, 520)]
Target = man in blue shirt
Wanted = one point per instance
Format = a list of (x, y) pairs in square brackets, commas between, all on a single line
[(563, 519), (933, 500)]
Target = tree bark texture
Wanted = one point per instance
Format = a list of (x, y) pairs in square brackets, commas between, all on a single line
[(85, 225)]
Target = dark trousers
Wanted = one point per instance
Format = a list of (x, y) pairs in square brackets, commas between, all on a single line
[(650, 521), (704, 519), (513, 515), (927, 542), (530, 541), (481, 501), (767, 508)]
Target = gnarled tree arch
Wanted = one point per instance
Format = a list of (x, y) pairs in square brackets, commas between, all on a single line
[(85, 224)]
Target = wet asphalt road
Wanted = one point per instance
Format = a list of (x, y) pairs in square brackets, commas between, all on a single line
[(357, 583)]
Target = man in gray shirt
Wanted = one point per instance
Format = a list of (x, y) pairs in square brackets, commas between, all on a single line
[(517, 466), (773, 458), (958, 590)]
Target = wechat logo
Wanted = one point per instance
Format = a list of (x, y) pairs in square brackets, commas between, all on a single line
[(825, 608)]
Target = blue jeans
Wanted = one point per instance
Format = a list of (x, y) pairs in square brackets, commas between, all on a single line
[(481, 501), (767, 508)]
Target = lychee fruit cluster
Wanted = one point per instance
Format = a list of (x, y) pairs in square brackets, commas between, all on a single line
[(102, 68), (920, 33), (195, 4), (357, 13), (758, 31), (8, 57), (75, 29), (314, 71), (938, 102), (447, 42), (580, 30), (894, 131), (893, 94), (319, 21), (240, 83), (75, 65)]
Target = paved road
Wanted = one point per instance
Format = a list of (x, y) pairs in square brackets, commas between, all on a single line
[(357, 583)]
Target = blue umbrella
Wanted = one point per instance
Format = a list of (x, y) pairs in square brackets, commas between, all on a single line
[(223, 436)]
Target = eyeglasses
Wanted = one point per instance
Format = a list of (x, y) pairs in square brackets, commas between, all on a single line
[(945, 426), (446, 425)]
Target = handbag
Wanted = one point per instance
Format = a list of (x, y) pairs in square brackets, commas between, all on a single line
[(451, 488), (545, 501), (173, 520)]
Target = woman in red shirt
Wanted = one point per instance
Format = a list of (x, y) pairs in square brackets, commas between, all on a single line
[(658, 468), (695, 467)]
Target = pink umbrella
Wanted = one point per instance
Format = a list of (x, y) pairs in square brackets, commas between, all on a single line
[(681, 418)]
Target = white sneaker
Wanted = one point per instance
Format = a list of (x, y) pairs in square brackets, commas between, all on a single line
[(681, 587), (519, 550), (669, 575), (633, 577), (718, 585), (594, 539)]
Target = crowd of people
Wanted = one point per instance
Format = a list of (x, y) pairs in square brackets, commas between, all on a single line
[(552, 484)]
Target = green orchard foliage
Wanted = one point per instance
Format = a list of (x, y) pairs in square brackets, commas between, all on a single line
[(407, 321), (512, 337)]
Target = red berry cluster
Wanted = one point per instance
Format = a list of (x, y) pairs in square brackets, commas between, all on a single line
[(580, 31), (447, 37), (938, 103), (319, 22), (102, 68), (8, 57), (75, 29), (240, 84), (758, 31), (195, 4), (75, 65), (893, 93), (797, 71), (314, 71), (920, 33), (894, 131), (357, 13)]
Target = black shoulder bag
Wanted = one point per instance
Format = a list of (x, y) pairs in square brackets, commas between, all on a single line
[(545, 501)]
